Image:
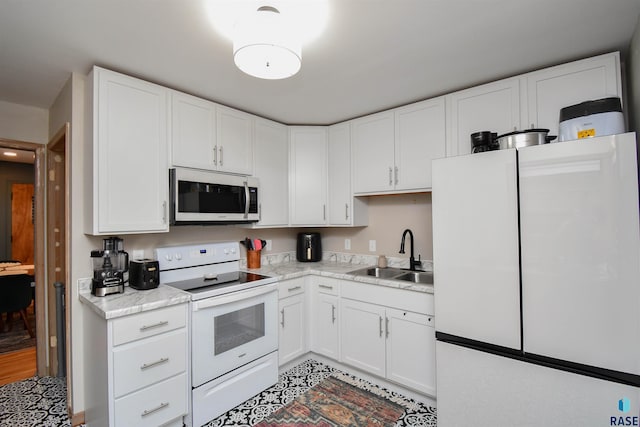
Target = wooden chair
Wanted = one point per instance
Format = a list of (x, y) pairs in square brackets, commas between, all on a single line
[(15, 296)]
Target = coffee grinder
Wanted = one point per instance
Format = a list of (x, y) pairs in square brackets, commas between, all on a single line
[(110, 268)]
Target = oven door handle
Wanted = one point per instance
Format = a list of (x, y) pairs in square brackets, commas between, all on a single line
[(234, 297)]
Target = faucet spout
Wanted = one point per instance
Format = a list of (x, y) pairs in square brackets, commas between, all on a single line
[(412, 261)]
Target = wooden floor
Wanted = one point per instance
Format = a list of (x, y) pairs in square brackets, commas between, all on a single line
[(17, 365)]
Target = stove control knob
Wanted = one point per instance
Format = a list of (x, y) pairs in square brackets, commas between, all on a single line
[(226, 251), (178, 256), (168, 257), (233, 250)]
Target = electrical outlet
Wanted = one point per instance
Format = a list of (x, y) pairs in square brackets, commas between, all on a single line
[(347, 244), (372, 245), (137, 254), (269, 244)]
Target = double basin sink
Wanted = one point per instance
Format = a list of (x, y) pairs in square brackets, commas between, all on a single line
[(422, 277)]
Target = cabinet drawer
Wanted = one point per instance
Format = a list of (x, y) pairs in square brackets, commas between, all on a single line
[(326, 286), (149, 323), (146, 362), (291, 287), (402, 299), (155, 405)]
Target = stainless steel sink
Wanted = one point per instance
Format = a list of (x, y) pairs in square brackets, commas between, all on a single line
[(422, 277), (382, 273)]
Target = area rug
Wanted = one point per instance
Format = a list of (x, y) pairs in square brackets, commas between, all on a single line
[(18, 337), (335, 403)]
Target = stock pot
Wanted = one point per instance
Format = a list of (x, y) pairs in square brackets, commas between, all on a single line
[(524, 138)]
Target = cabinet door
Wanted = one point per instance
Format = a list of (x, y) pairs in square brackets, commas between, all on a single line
[(234, 141), (291, 336), (325, 325), (340, 194), (271, 167), (373, 153), (308, 175), (131, 179), (193, 132), (492, 107), (362, 339), (420, 138), (411, 350), (551, 89)]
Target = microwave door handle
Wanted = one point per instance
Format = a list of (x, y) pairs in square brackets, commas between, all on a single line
[(246, 199)]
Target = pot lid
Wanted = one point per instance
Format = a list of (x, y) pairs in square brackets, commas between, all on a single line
[(518, 132)]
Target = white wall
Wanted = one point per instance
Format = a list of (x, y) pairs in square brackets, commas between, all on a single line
[(633, 80), (24, 123)]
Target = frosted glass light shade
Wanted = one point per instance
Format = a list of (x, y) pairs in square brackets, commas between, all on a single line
[(263, 46)]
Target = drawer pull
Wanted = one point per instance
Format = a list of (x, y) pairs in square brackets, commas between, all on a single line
[(386, 326), (326, 287), (152, 364), (155, 325), (157, 408), (333, 313), (295, 288), (242, 355), (380, 317)]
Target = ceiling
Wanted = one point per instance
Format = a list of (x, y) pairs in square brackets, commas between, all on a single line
[(372, 55)]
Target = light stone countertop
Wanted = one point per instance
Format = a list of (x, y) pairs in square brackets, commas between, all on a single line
[(134, 301)]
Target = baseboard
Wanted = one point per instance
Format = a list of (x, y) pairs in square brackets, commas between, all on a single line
[(77, 419), (419, 397)]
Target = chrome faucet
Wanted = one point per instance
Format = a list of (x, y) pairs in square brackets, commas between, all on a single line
[(412, 261)]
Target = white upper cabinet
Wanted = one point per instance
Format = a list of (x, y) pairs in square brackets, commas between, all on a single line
[(344, 209), (419, 138), (234, 141), (127, 157), (392, 150), (554, 88), (491, 107), (308, 175), (193, 132), (271, 166), (373, 153), (208, 136)]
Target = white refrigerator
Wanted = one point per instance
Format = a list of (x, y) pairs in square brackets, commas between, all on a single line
[(537, 285)]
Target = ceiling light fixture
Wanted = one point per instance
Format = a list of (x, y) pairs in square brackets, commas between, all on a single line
[(264, 45)]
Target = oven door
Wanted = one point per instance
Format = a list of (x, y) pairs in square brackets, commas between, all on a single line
[(231, 330)]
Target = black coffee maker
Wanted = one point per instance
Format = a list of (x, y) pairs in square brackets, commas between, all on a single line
[(110, 268), (484, 141)]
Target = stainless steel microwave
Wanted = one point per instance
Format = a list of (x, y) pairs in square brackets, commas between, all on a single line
[(203, 197)]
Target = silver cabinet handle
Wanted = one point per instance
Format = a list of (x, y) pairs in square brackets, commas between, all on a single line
[(152, 364), (295, 288), (386, 327), (380, 317), (220, 155), (324, 212), (259, 212), (390, 176), (396, 169), (326, 287), (157, 408), (333, 313), (346, 211), (164, 212), (155, 325), (215, 156), (282, 322)]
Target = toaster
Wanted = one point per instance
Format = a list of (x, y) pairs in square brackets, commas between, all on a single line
[(144, 274)]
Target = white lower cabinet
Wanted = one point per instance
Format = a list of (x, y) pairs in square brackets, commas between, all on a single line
[(324, 317), (395, 341), (136, 368), (291, 330)]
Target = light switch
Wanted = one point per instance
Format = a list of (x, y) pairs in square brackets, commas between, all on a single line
[(372, 245), (347, 244)]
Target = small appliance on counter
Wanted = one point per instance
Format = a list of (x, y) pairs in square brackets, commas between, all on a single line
[(309, 247), (591, 118), (144, 274), (110, 268)]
